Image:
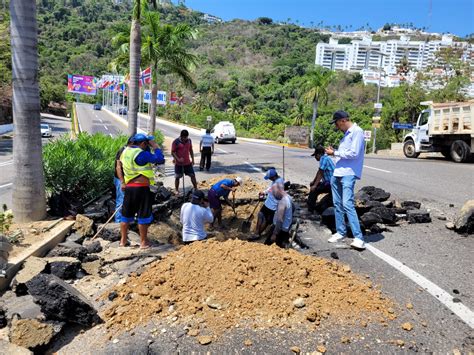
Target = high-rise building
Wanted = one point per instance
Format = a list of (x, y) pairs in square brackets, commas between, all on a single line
[(365, 53)]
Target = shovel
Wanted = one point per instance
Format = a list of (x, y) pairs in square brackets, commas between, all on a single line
[(245, 227), (233, 206)]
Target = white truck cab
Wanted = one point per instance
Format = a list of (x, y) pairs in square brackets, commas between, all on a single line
[(447, 128)]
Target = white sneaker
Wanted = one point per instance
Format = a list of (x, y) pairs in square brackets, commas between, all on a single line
[(336, 238), (358, 244)]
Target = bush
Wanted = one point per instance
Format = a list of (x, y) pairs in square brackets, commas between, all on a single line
[(84, 168)]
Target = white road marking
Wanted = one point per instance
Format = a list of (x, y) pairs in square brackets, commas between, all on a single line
[(444, 297), (6, 185), (382, 170), (254, 167), (111, 135), (222, 150), (106, 127), (8, 162), (100, 119)]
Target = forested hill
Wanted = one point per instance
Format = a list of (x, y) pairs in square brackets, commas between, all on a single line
[(75, 37)]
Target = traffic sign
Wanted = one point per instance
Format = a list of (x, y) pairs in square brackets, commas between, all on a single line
[(378, 105), (399, 125), (367, 136), (209, 118), (376, 122)]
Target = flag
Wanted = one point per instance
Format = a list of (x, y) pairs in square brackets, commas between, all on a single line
[(145, 77), (126, 80)]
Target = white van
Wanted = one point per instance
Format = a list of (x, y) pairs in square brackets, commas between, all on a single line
[(224, 131)]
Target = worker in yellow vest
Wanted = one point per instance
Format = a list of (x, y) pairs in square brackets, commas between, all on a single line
[(137, 161)]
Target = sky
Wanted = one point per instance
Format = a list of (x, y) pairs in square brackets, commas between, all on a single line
[(453, 16)]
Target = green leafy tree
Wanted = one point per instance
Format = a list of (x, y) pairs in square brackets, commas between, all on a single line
[(315, 87), (164, 48), (29, 202)]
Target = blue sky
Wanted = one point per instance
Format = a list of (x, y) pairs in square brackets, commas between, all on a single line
[(454, 16)]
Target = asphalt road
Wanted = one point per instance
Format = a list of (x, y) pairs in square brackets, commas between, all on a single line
[(59, 126), (426, 264)]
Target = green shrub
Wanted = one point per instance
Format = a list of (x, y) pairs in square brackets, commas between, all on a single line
[(82, 167)]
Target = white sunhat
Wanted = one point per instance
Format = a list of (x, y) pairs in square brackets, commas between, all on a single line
[(239, 180)]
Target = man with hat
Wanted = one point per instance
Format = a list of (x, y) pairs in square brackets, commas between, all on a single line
[(349, 162), (266, 213), (119, 181), (137, 161), (322, 181), (194, 215), (220, 189)]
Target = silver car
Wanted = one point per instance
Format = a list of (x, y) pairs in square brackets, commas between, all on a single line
[(46, 130)]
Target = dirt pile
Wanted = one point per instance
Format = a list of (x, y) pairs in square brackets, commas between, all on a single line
[(249, 189), (220, 285)]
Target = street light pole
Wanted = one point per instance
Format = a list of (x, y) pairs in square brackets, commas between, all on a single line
[(378, 106)]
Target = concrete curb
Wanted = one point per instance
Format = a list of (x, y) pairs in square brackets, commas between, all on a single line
[(57, 235)]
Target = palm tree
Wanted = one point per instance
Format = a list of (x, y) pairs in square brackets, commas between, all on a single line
[(135, 58), (163, 48), (298, 114), (29, 202), (315, 86)]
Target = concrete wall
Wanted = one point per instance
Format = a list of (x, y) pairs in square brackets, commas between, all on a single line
[(297, 134)]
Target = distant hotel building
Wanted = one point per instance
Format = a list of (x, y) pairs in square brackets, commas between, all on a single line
[(364, 53)]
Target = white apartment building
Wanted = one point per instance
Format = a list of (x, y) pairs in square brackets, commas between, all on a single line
[(365, 53)]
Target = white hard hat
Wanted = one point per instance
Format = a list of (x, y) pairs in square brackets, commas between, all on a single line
[(239, 180)]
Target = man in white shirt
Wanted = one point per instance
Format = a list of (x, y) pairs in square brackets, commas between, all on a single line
[(206, 147), (349, 162), (194, 215)]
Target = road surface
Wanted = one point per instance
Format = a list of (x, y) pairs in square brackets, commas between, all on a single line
[(426, 265), (59, 126)]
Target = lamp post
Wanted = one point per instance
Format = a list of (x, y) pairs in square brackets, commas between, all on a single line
[(377, 105)]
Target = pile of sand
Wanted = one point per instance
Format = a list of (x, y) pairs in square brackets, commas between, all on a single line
[(249, 189), (219, 285)]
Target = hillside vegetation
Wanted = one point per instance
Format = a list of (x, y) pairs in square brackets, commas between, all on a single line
[(249, 72)]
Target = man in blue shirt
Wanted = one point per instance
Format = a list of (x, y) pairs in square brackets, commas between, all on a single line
[(349, 162), (322, 181), (137, 163), (220, 189)]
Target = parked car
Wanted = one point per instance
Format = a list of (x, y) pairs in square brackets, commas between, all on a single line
[(224, 131), (122, 111), (46, 130), (98, 107)]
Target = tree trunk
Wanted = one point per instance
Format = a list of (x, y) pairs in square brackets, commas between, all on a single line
[(154, 92), (134, 92), (313, 123), (29, 202)]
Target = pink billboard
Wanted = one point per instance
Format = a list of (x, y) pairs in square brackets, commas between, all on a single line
[(81, 84)]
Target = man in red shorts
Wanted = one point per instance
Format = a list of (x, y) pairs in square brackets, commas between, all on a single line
[(182, 151)]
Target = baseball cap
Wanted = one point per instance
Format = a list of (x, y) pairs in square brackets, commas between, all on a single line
[(270, 173), (338, 115), (318, 150), (140, 137), (239, 180), (197, 195)]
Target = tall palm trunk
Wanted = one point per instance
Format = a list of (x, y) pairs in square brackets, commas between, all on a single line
[(29, 202), (135, 57), (313, 123), (154, 92)]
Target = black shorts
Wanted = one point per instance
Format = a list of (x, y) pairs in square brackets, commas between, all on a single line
[(268, 214), (137, 201), (188, 170)]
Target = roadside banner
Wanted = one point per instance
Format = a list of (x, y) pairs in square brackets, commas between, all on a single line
[(173, 98), (367, 136), (81, 84), (160, 97)]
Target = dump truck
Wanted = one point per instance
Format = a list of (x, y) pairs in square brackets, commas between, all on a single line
[(447, 128)]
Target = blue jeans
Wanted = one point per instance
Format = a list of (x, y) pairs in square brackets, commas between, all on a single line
[(118, 199), (343, 198)]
